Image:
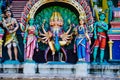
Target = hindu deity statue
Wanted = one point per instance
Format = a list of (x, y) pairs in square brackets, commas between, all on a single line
[(30, 40), (100, 28), (1, 31), (11, 26), (56, 37), (81, 39)]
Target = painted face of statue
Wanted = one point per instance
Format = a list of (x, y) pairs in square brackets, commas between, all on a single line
[(60, 22), (8, 13), (102, 16), (51, 22), (56, 20), (81, 22)]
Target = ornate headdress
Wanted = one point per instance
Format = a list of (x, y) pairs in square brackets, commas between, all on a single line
[(102, 12), (56, 15), (82, 16)]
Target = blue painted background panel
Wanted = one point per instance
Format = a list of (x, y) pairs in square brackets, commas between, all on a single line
[(116, 50)]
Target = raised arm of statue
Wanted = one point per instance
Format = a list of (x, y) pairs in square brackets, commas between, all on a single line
[(95, 32), (88, 37), (25, 36)]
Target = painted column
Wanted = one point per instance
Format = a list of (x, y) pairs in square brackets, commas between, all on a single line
[(110, 48)]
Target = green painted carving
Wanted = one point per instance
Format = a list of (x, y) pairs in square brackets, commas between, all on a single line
[(46, 14), (100, 28)]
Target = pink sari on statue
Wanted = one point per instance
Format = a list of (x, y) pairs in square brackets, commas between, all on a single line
[(31, 43)]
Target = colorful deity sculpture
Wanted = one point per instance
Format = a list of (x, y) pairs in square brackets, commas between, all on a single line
[(1, 31), (100, 28), (56, 37), (11, 26), (30, 40), (81, 39)]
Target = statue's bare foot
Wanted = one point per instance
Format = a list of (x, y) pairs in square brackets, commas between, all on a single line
[(94, 62)]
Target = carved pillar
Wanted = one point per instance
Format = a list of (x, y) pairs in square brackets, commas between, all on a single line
[(110, 48)]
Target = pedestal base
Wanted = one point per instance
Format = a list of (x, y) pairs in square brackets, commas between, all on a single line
[(81, 69), (29, 68), (104, 70), (11, 66), (62, 69)]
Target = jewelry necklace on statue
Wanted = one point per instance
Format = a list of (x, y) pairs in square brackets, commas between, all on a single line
[(80, 28), (31, 25), (9, 20)]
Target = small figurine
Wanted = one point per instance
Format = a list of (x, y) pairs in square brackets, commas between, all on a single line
[(100, 29), (11, 25), (30, 40), (81, 39)]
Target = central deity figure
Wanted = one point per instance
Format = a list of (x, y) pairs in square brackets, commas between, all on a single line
[(56, 37)]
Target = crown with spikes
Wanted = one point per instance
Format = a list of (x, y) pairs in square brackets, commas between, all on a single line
[(82, 16), (56, 15)]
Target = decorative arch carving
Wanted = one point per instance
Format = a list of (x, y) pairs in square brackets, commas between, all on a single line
[(33, 5), (38, 4)]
